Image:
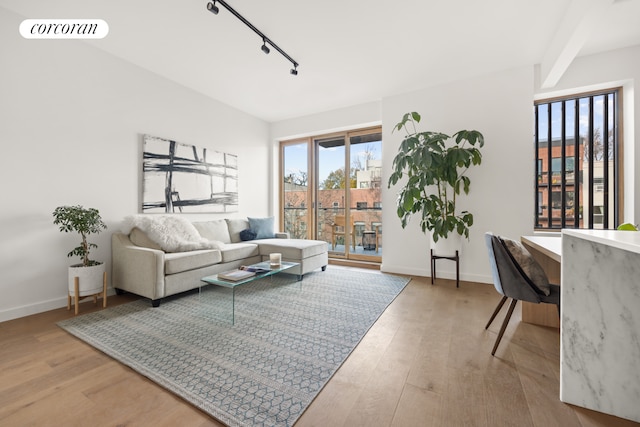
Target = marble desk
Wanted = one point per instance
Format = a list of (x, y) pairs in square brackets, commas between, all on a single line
[(600, 327)]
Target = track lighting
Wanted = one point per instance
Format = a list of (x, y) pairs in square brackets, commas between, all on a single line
[(264, 47), (211, 7)]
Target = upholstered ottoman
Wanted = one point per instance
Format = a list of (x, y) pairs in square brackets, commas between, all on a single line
[(310, 254)]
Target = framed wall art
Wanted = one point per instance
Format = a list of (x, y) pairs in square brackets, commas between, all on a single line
[(182, 178)]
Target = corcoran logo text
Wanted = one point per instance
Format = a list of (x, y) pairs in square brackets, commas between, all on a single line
[(64, 29)]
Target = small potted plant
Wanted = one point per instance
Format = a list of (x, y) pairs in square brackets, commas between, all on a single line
[(89, 275), (435, 165)]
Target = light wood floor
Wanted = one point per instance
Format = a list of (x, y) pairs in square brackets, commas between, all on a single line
[(426, 362)]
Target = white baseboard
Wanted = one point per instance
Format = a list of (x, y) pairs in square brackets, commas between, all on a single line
[(398, 269), (422, 272), (28, 310), (39, 307)]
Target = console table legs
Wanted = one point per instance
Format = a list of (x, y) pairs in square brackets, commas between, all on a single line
[(455, 258)]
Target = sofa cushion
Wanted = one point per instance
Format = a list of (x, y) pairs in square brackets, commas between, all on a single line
[(139, 238), (235, 227), (237, 251), (178, 262), (214, 230), (263, 227), (292, 249)]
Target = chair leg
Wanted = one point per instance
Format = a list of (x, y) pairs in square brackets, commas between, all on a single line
[(495, 312), (504, 325)]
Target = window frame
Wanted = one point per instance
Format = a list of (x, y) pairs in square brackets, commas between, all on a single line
[(571, 177)]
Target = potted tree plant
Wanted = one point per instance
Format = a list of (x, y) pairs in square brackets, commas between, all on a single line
[(89, 277), (435, 165)]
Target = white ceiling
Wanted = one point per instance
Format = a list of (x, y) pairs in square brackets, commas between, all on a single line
[(349, 51)]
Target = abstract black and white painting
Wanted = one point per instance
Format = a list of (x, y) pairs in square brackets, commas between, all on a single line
[(181, 178)]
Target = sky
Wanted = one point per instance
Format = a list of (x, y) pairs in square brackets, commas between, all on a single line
[(331, 159), (556, 116)]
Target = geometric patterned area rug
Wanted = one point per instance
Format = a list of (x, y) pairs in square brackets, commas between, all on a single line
[(288, 340)]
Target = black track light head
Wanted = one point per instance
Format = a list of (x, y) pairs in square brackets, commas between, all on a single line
[(211, 7)]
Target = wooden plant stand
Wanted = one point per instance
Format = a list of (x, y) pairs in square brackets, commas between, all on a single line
[(77, 298), (455, 258)]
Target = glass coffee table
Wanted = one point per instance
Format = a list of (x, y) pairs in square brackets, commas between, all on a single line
[(266, 270)]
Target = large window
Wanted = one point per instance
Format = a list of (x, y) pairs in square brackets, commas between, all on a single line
[(331, 190), (577, 161)]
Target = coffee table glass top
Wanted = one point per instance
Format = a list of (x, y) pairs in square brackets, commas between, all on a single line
[(262, 265)]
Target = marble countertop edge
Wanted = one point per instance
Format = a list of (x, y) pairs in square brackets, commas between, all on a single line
[(625, 240)]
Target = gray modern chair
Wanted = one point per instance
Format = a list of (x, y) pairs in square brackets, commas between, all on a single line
[(513, 281)]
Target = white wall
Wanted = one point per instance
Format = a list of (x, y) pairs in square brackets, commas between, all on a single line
[(500, 198), (71, 123), (357, 116), (606, 70)]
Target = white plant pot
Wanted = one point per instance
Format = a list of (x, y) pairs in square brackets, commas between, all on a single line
[(91, 279), (448, 246)]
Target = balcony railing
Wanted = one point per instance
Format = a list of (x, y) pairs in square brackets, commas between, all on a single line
[(364, 219)]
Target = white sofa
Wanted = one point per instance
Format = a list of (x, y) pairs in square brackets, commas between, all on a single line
[(141, 266)]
